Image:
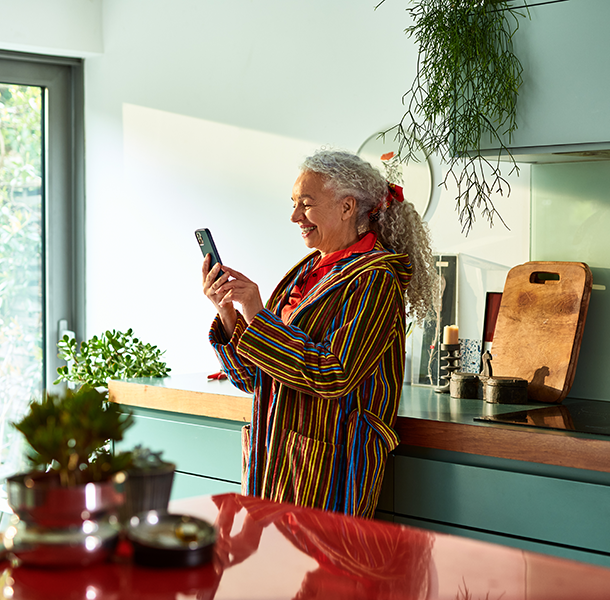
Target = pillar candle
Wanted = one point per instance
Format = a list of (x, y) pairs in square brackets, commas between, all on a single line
[(450, 334)]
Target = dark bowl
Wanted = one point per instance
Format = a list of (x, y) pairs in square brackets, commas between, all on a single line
[(160, 539)]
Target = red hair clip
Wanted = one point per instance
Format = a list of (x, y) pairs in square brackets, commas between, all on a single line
[(394, 194), (395, 191)]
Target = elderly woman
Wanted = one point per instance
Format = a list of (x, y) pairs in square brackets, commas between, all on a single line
[(325, 356)]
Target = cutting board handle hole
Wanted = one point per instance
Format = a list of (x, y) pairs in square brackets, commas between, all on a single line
[(544, 277)]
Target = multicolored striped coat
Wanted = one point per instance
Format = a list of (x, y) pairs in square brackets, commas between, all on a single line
[(326, 385)]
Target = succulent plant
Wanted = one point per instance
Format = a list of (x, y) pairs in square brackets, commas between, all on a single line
[(69, 434)]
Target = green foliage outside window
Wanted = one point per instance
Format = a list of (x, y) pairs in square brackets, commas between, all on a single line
[(20, 254)]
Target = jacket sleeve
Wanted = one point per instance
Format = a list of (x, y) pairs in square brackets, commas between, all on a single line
[(240, 371), (365, 326)]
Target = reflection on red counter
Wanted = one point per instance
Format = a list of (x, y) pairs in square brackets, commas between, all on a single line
[(271, 550)]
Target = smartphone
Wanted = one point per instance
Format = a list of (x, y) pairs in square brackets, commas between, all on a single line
[(207, 245)]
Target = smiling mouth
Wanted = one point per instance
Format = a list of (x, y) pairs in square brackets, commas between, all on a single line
[(305, 231)]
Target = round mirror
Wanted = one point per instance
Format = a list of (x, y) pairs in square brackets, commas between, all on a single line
[(415, 177)]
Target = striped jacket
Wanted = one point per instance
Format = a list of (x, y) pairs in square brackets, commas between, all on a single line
[(327, 385)]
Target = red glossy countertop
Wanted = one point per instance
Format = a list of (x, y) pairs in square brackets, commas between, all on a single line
[(267, 550)]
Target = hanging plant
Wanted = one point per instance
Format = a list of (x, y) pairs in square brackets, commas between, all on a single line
[(464, 93)]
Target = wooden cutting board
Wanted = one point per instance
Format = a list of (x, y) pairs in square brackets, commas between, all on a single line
[(540, 325)]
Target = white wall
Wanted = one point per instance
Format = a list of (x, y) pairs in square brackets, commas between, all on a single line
[(198, 113), (60, 27)]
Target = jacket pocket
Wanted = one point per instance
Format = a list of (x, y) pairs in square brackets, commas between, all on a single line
[(369, 440), (307, 472)]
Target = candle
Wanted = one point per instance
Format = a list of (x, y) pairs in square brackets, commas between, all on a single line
[(450, 334)]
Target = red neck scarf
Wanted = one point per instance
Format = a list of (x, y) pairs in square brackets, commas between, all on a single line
[(321, 268)]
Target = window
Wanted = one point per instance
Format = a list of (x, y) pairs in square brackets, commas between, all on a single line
[(41, 228)]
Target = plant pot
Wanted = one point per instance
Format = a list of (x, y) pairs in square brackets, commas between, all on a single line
[(147, 489), (62, 526)]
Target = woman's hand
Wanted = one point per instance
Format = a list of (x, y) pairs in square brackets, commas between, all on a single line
[(232, 286), (224, 306), (238, 288)]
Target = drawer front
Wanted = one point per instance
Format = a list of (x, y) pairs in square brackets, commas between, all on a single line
[(535, 507), (602, 560), (188, 486), (199, 449)]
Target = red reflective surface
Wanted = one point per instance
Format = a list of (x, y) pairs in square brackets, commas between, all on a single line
[(268, 550)]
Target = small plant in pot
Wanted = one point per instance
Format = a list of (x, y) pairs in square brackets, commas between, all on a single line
[(112, 355), (121, 355), (66, 505), (149, 483)]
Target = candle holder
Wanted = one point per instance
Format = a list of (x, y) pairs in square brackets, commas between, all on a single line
[(452, 360)]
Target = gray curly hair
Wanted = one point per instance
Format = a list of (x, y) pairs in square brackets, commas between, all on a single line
[(399, 227)]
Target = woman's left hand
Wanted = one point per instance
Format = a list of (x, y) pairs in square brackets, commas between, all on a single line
[(242, 290)]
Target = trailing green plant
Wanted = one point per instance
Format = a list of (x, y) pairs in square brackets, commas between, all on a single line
[(68, 434), (112, 355), (465, 92)]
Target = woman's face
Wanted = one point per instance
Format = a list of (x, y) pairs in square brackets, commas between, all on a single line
[(326, 223)]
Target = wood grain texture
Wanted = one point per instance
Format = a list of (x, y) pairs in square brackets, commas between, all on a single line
[(540, 326), (205, 404), (548, 447)]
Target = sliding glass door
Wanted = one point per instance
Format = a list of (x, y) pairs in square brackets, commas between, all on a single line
[(41, 245), (21, 254)]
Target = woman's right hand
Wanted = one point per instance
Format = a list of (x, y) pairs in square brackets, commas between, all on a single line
[(226, 309)]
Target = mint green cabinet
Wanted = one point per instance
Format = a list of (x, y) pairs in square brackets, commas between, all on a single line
[(555, 510), (207, 452), (187, 485), (564, 96)]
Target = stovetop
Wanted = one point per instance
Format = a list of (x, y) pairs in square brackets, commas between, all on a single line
[(582, 416)]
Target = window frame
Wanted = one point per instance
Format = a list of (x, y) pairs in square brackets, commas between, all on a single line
[(63, 191)]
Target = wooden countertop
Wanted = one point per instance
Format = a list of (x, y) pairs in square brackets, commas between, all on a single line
[(425, 420), (188, 394)]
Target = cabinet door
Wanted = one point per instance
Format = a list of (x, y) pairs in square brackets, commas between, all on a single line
[(197, 445), (537, 508), (188, 486), (564, 51)]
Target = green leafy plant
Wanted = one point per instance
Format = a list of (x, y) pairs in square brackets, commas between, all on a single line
[(112, 355), (465, 91), (68, 434)]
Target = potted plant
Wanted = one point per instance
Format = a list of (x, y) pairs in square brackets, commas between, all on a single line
[(465, 91), (112, 355), (149, 483), (66, 505), (121, 355)]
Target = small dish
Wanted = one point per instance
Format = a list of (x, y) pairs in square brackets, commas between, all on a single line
[(160, 539)]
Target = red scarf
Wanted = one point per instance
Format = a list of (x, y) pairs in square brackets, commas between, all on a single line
[(321, 268)]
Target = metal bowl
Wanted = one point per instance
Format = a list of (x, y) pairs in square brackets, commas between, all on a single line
[(160, 539), (56, 526)]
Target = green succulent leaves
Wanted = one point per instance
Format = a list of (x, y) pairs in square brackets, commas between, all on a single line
[(69, 434), (112, 355)]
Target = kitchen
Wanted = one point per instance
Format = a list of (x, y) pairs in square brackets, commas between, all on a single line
[(198, 115)]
